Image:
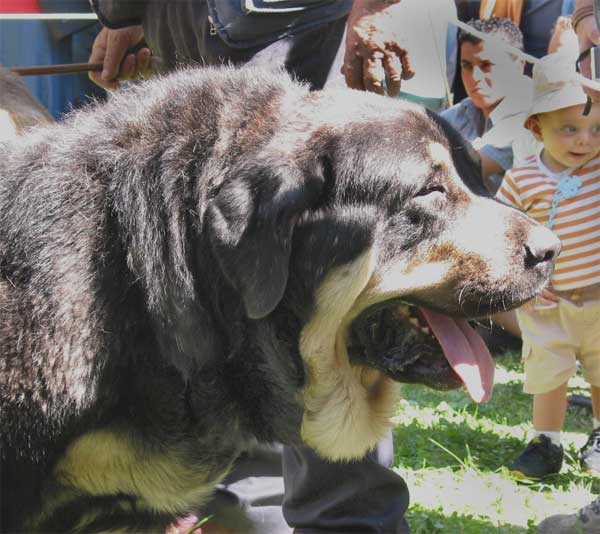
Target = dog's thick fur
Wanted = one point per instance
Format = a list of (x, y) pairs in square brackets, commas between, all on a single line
[(180, 269)]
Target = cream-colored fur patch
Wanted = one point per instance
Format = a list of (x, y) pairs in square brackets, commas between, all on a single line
[(108, 463), (440, 156), (347, 409), (401, 278), (490, 241)]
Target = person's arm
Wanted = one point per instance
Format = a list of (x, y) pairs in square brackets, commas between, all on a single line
[(116, 14), (562, 35), (122, 32), (489, 166), (110, 48), (374, 50), (588, 35)]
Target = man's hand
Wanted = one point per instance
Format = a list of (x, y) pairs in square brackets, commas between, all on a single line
[(110, 49), (374, 50), (587, 36)]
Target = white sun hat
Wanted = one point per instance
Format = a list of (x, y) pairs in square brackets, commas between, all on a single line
[(556, 85)]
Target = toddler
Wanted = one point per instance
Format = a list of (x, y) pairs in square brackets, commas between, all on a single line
[(560, 187)]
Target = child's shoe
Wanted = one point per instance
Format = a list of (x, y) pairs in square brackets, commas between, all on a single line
[(540, 459), (585, 521), (589, 454)]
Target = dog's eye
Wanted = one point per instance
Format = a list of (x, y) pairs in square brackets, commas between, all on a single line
[(431, 189)]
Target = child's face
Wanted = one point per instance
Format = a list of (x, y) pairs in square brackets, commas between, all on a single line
[(570, 138)]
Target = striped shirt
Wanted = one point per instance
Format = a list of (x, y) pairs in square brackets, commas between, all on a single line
[(530, 187)]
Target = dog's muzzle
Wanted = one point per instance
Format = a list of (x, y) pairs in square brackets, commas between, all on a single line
[(416, 345)]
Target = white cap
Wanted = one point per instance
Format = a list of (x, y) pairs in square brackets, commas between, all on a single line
[(556, 85)]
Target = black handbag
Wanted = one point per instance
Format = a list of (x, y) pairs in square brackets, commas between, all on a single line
[(249, 23)]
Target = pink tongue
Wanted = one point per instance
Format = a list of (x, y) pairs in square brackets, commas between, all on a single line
[(466, 352)]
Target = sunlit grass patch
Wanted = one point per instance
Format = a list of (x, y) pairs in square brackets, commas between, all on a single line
[(454, 455)]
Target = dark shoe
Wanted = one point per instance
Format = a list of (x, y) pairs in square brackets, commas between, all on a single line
[(540, 459), (589, 455), (586, 521)]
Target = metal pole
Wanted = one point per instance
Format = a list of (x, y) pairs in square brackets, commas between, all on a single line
[(48, 16)]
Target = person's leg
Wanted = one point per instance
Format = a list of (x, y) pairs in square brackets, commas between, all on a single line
[(363, 496), (587, 330), (589, 454), (249, 500), (544, 454), (549, 409), (549, 361), (587, 519), (595, 391)]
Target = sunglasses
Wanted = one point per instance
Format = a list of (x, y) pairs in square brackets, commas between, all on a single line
[(593, 53), (582, 57)]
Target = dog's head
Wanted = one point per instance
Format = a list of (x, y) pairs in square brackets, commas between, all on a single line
[(374, 232)]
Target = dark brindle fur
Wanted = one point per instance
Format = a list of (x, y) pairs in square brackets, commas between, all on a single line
[(218, 257)]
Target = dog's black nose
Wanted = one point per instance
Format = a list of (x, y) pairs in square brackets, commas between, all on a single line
[(541, 247)]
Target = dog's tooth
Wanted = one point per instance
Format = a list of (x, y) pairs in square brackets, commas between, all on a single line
[(388, 336), (373, 330)]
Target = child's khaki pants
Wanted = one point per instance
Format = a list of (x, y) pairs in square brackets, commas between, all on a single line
[(555, 338)]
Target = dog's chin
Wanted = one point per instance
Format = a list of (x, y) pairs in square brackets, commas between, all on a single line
[(395, 338)]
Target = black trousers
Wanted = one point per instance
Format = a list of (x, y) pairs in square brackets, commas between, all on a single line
[(274, 486)]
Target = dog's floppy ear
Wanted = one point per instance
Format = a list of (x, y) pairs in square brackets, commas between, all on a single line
[(251, 221)]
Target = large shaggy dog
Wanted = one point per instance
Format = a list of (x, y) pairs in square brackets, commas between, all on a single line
[(218, 257)]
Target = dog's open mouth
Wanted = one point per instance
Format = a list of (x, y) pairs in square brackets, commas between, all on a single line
[(417, 345)]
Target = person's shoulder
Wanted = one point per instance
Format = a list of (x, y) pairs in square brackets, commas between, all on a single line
[(526, 165), (462, 112), (462, 106), (525, 170)]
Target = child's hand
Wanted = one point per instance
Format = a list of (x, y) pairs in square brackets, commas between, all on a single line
[(545, 300)]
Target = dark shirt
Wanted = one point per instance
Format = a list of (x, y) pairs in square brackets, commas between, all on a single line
[(537, 21), (239, 24)]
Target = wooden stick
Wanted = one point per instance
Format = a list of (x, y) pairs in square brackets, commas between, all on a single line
[(57, 69)]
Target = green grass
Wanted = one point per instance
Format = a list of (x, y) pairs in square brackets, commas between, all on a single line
[(453, 455)]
